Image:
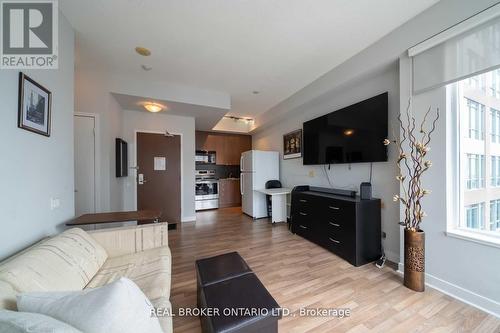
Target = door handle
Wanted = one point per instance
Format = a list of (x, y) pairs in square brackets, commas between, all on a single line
[(241, 183), (333, 207), (140, 179), (334, 224)]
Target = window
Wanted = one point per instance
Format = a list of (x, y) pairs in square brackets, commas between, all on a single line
[(475, 216), (495, 84), (476, 82), (476, 120), (475, 171), (495, 215), (477, 199), (495, 125), (495, 171)]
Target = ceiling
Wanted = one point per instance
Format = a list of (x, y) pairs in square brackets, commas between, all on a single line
[(206, 117), (275, 47)]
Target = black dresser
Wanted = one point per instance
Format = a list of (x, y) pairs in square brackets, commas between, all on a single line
[(347, 226)]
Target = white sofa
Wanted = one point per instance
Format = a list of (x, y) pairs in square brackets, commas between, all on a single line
[(76, 260)]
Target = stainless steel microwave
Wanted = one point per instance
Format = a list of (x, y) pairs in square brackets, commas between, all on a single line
[(205, 157)]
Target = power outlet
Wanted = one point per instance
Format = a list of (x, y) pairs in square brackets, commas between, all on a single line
[(311, 174)]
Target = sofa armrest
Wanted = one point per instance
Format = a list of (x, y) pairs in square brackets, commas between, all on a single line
[(127, 240)]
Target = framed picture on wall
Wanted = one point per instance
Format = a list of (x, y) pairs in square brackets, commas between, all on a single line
[(34, 106), (292, 144)]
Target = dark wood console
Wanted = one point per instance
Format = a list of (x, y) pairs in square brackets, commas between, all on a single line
[(347, 226)]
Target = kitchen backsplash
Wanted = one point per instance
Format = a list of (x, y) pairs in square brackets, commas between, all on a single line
[(221, 171)]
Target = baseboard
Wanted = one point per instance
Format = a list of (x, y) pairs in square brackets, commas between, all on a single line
[(480, 302), (191, 218), (391, 256)]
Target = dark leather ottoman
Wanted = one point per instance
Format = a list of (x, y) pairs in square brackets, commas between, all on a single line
[(219, 268), (227, 285), (244, 306)]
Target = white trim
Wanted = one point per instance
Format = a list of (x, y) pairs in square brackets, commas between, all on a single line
[(469, 297), (181, 166), (191, 218), (459, 28), (97, 157), (474, 237)]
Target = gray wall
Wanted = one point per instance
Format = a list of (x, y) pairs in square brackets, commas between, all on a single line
[(292, 172), (35, 168)]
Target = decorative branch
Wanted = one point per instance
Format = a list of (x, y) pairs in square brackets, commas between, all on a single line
[(414, 164)]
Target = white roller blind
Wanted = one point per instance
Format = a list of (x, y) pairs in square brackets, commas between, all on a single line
[(456, 54)]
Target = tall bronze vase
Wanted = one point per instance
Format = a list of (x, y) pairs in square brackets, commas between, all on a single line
[(414, 277)]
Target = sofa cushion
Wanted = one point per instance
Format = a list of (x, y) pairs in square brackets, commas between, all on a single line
[(7, 296), (67, 261), (119, 307), (150, 270), (26, 322), (164, 308)]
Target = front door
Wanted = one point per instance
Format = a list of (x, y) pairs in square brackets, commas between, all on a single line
[(159, 174)]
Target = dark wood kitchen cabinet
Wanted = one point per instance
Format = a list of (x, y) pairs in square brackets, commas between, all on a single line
[(229, 192), (228, 147)]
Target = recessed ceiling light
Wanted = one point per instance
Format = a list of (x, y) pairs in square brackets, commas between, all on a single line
[(153, 107), (348, 132), (143, 51)]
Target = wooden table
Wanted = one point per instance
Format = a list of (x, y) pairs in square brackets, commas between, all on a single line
[(112, 217), (278, 202)]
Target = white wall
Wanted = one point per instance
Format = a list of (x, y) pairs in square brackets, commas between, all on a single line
[(92, 95), (35, 168), (462, 268), (384, 184), (160, 122)]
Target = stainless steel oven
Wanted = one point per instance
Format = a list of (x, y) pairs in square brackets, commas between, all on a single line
[(207, 190)]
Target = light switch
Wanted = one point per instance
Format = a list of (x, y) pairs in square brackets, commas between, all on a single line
[(55, 203), (311, 173)]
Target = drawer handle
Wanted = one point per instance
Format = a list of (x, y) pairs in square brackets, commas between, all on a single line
[(303, 227), (302, 200), (334, 240), (303, 214), (333, 207), (334, 224)]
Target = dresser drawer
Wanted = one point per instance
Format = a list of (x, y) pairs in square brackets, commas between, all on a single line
[(303, 203)]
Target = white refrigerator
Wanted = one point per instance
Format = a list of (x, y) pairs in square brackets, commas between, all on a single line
[(257, 167)]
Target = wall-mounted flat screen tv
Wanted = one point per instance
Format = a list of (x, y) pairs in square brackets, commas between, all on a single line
[(121, 158), (354, 134)]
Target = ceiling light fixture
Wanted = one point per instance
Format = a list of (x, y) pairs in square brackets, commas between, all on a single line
[(143, 51), (153, 107), (348, 132), (246, 120)]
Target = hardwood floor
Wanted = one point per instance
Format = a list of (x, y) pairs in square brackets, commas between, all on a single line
[(300, 274)]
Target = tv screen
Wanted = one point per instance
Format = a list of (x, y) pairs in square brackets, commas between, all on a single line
[(354, 134), (121, 158)]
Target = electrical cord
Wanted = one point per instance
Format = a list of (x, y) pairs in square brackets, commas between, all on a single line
[(371, 171)]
